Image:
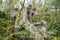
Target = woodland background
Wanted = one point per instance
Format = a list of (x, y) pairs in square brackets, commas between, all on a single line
[(46, 16)]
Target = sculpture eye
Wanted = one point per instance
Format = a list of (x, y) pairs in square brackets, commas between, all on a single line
[(16, 9), (32, 13)]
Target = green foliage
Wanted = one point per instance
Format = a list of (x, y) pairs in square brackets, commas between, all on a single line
[(55, 29), (6, 33), (56, 3), (2, 15), (0, 1)]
